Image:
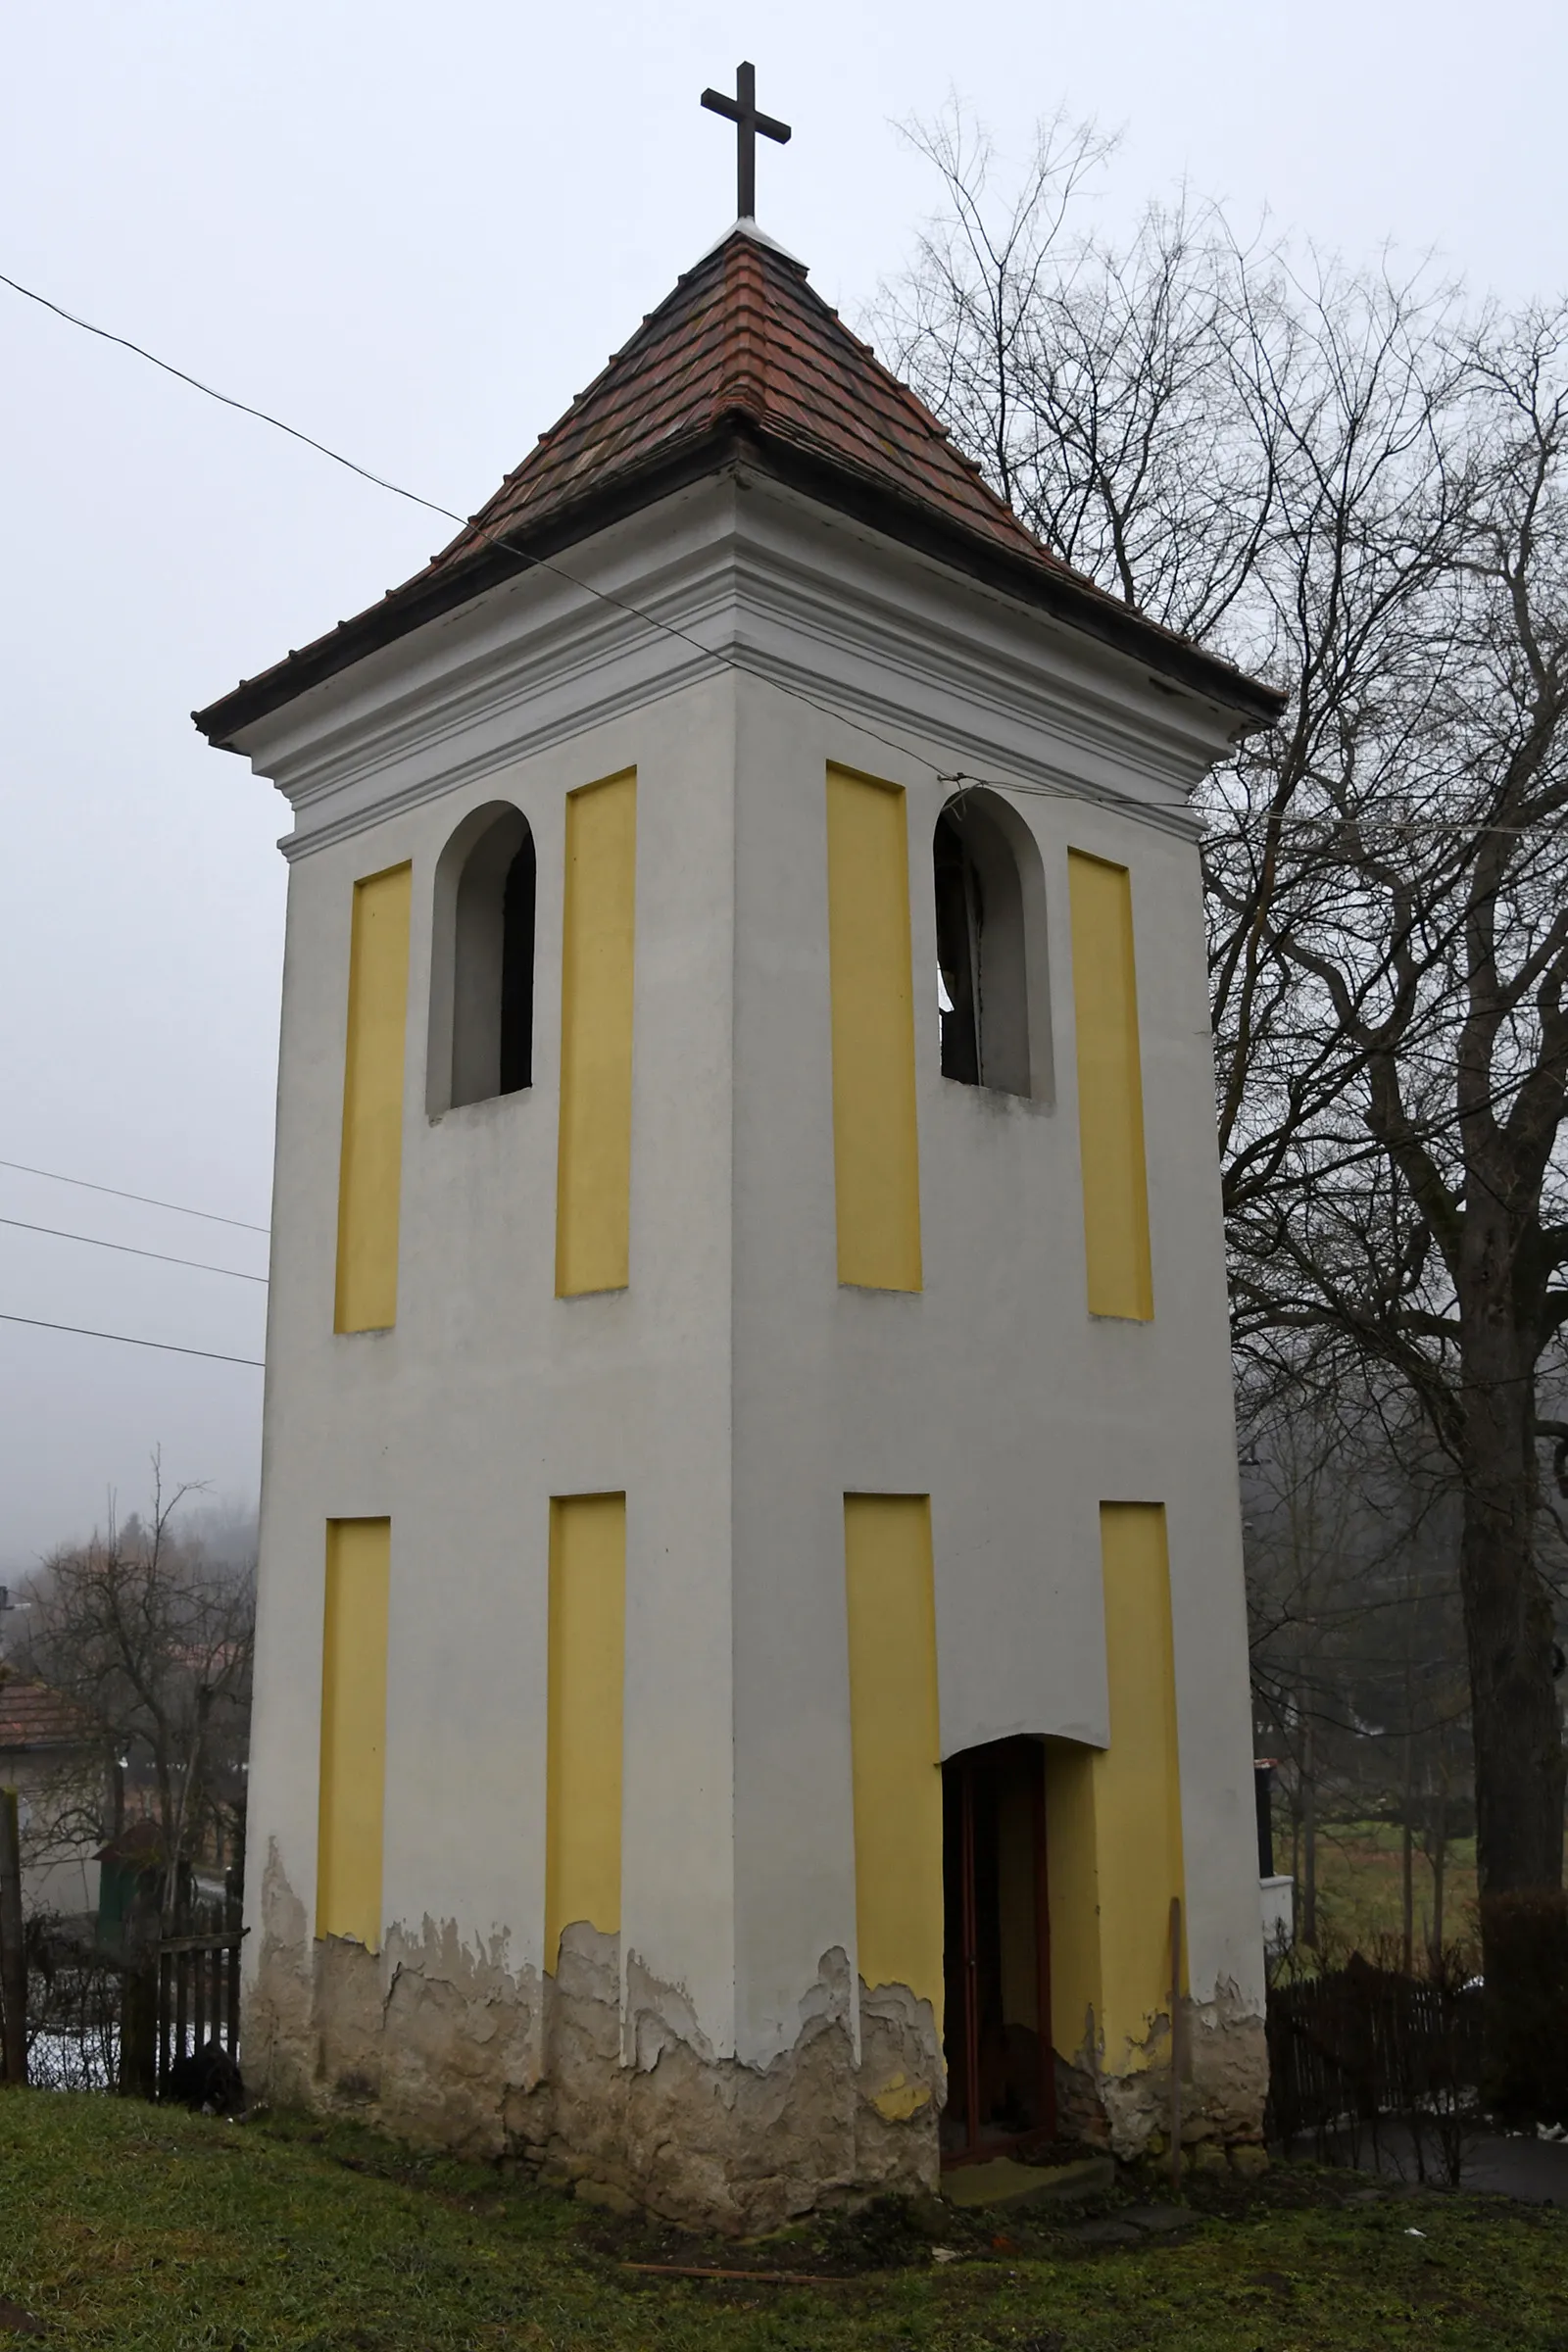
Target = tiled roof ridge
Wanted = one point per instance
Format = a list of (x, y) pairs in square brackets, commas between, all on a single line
[(627, 351), (743, 374), (907, 394)]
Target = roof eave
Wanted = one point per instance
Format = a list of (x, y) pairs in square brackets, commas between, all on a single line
[(424, 599), (737, 437), (1052, 587)]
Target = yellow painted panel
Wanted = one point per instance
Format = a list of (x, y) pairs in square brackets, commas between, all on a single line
[(1111, 1090), (587, 1674), (876, 1160), (1113, 1815), (896, 1741), (1139, 1795), (348, 1880), (370, 1171), (1072, 1872), (593, 1175)]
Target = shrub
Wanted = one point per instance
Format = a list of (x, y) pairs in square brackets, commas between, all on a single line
[(1524, 1935)]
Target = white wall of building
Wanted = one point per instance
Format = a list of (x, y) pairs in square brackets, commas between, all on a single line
[(735, 1391)]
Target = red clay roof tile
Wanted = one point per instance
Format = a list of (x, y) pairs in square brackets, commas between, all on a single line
[(32, 1716), (742, 351), (744, 335)]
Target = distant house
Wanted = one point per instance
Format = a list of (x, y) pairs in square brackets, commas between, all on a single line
[(49, 1755)]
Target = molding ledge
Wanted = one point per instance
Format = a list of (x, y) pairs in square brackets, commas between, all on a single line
[(741, 576)]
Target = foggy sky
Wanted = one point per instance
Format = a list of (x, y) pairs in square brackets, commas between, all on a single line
[(416, 231)]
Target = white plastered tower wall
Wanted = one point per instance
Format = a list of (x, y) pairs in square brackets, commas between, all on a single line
[(735, 1392), (487, 1398), (992, 1388)]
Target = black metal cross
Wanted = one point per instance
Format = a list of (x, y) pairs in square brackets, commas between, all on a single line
[(741, 110)]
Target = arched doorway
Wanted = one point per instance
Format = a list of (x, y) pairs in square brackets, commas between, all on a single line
[(996, 1963)]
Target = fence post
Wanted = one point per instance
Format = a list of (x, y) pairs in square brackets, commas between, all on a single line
[(13, 1952), (138, 2031), (138, 2002)]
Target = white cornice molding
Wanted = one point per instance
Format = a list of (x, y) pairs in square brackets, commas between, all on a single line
[(1014, 703), (739, 575)]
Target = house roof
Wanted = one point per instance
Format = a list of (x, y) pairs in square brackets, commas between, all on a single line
[(33, 1716), (743, 361)]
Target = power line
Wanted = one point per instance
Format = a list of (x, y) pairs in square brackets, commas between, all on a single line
[(123, 1338), (1102, 794), (199, 1265), (540, 562), (226, 398), (53, 1176)]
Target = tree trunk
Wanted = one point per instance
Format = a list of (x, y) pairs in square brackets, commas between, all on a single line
[(12, 1951), (138, 1996), (1509, 1624), (1514, 1720), (1309, 1842), (1408, 1854)]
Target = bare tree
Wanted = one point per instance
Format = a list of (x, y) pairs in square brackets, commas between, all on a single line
[(1096, 385), (1353, 1591), (1390, 945), (152, 1643), (1304, 1587), (1347, 483)]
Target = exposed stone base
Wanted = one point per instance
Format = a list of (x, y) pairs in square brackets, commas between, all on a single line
[(1224, 2085), (743, 2148), (450, 2046), (447, 2046)]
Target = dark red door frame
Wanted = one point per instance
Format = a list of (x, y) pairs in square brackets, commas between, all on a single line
[(971, 1957), (967, 1768), (1047, 2044)]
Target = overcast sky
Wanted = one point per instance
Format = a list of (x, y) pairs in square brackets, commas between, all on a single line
[(416, 231)]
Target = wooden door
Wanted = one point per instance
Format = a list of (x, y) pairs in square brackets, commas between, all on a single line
[(1000, 2065)]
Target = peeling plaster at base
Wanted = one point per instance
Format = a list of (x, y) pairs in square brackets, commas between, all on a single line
[(444, 2044), (1224, 2085)]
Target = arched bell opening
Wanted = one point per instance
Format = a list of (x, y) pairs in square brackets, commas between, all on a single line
[(1001, 2089), (481, 965), (992, 1007)]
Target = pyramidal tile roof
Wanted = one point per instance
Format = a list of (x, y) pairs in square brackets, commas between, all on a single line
[(745, 338), (742, 359)]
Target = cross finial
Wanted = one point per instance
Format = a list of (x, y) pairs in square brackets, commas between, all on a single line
[(741, 110)]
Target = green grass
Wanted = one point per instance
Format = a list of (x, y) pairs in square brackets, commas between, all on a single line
[(152, 2230), (1360, 1886)]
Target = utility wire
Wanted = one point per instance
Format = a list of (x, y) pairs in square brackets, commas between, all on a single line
[(498, 538), (123, 1338), (53, 1176), (197, 1264), (1102, 794), (226, 398)]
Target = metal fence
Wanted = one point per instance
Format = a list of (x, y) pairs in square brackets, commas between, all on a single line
[(198, 2001), (125, 2018), (1359, 2048)]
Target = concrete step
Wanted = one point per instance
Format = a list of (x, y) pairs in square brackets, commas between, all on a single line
[(1004, 2182)]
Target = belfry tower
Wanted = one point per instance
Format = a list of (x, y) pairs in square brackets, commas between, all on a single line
[(751, 1691)]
